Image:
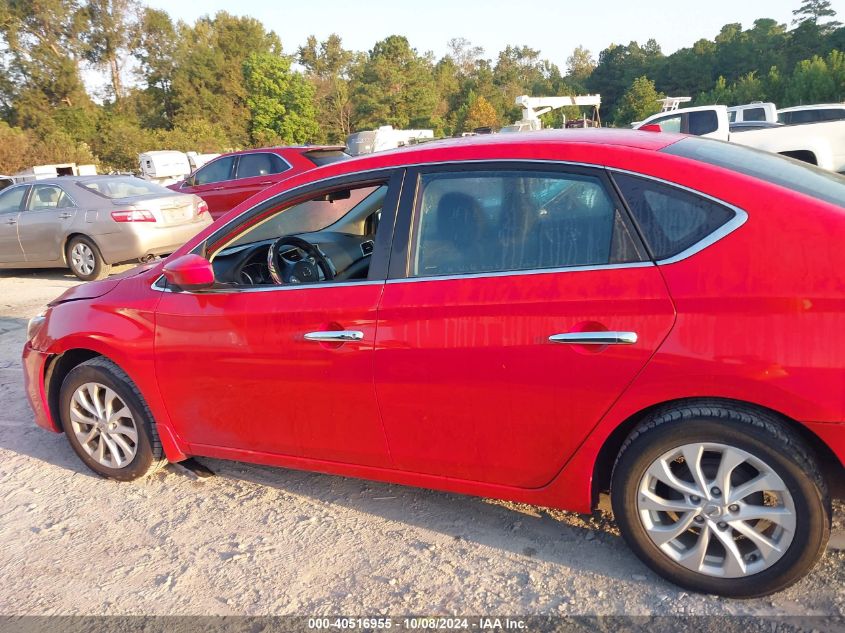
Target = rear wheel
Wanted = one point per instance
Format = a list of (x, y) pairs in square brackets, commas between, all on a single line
[(723, 501), (85, 259), (107, 422)]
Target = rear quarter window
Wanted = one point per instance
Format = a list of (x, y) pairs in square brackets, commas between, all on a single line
[(670, 219)]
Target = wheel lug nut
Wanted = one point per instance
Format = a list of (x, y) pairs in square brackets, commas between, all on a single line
[(722, 525), (699, 519), (695, 499), (733, 507), (715, 492)]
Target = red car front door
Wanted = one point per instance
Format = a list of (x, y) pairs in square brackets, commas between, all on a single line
[(242, 368), (213, 183), (485, 368)]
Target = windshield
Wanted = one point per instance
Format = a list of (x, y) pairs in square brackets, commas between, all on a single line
[(124, 187), (778, 170)]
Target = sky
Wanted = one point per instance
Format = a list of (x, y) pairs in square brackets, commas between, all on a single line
[(553, 27)]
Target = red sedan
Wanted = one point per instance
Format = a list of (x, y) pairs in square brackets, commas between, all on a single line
[(532, 317), (230, 179)]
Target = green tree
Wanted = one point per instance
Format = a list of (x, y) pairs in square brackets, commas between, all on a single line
[(814, 11), (280, 102), (156, 51), (327, 65), (640, 101), (111, 37), (394, 86), (208, 80), (580, 65)]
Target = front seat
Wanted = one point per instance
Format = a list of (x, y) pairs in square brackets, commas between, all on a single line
[(456, 244)]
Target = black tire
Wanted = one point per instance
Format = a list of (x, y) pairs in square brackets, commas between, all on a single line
[(767, 438), (99, 268), (149, 456)]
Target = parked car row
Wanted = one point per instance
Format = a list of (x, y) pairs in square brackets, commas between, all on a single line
[(532, 317)]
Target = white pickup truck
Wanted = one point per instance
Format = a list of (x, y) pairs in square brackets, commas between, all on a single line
[(821, 144)]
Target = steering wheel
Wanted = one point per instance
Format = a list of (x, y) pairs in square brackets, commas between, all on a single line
[(305, 270)]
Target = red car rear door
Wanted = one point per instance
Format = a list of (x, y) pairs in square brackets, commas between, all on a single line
[(254, 173), (520, 308)]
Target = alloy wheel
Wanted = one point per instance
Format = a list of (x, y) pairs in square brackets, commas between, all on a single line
[(716, 510), (103, 425)]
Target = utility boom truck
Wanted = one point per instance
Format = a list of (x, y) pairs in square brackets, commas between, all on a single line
[(535, 107)]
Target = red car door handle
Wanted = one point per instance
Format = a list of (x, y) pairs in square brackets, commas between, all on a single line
[(337, 336), (266, 182), (595, 338)]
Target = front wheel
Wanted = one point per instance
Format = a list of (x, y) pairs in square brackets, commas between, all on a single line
[(726, 501), (107, 422)]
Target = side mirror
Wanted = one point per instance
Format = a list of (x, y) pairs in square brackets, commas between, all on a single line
[(189, 272)]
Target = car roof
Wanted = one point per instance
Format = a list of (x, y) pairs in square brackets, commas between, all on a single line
[(636, 139), (815, 106), (299, 149)]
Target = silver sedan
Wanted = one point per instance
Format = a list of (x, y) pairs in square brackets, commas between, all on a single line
[(88, 223)]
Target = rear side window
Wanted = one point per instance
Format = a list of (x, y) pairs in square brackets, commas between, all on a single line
[(703, 122), (261, 164), (833, 114), (754, 114), (496, 221), (670, 219)]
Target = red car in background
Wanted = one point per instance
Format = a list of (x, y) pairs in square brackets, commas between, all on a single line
[(536, 317), (230, 179)]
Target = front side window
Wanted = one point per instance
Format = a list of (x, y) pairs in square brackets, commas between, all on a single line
[(329, 237), (261, 164), (48, 197), (216, 171), (10, 200), (495, 221), (671, 219)]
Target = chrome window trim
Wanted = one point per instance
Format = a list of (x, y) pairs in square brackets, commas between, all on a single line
[(228, 291), (740, 218), (522, 273)]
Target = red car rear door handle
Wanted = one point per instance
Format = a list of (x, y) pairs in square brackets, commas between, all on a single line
[(337, 336), (266, 182), (595, 338)]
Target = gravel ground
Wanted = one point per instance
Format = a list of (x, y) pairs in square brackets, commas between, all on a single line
[(257, 541)]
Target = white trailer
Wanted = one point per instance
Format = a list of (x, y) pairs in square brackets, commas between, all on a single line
[(384, 138), (40, 172), (164, 167)]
